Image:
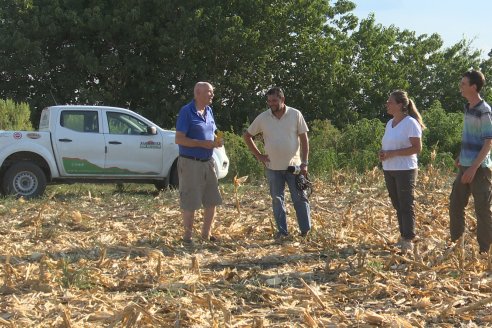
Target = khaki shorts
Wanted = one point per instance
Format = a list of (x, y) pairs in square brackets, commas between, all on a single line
[(198, 184)]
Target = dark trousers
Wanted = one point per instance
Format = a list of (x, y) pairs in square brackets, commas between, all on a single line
[(401, 190), (480, 188)]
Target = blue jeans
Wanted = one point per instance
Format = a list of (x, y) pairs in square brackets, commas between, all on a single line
[(276, 181)]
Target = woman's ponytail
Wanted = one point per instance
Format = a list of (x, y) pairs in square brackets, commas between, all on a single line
[(408, 106)]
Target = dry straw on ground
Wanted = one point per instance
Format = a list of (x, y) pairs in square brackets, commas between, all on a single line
[(116, 260)]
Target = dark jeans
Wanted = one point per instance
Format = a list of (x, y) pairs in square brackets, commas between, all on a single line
[(276, 181), (480, 188), (401, 190)]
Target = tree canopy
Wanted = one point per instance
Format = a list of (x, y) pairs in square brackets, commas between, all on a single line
[(148, 54)]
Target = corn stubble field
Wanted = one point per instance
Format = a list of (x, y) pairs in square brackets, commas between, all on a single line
[(99, 256)]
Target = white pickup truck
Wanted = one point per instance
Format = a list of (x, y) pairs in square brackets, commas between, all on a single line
[(91, 144)]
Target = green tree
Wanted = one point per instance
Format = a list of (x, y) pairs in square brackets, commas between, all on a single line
[(148, 54), (444, 75)]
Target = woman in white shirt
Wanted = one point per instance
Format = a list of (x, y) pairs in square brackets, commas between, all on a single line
[(401, 143)]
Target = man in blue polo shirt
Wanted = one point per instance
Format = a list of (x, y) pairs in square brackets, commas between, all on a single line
[(198, 183), (474, 162)]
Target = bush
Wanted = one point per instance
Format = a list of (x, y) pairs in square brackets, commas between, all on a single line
[(14, 116), (443, 133), (323, 145), (359, 145), (241, 161)]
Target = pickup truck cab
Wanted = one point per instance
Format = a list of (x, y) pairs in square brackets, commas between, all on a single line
[(91, 144)]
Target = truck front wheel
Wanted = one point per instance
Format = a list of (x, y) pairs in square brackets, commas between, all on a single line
[(172, 181), (173, 176), (24, 179)]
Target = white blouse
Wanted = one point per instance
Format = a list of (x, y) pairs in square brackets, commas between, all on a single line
[(398, 137)]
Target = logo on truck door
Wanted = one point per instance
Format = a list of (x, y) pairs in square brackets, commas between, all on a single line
[(150, 144)]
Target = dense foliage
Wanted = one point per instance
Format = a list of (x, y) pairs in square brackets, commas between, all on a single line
[(148, 54), (355, 146)]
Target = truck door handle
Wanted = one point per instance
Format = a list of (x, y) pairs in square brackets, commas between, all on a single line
[(65, 140), (115, 143)]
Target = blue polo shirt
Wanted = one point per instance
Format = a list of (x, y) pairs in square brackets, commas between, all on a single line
[(196, 127)]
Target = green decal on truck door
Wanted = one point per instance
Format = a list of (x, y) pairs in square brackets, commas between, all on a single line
[(82, 166)]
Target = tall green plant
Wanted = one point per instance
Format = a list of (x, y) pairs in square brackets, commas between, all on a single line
[(241, 161), (323, 143), (14, 116), (443, 134), (360, 143)]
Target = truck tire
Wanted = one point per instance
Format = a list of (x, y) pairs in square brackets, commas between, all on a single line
[(172, 180), (24, 179), (173, 176), (160, 184)]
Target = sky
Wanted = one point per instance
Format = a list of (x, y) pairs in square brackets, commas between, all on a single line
[(453, 20)]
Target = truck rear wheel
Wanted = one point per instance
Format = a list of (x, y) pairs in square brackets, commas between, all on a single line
[(24, 179)]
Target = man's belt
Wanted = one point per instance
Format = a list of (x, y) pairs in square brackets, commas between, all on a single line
[(195, 158)]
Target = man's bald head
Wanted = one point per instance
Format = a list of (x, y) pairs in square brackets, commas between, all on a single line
[(199, 86), (203, 93)]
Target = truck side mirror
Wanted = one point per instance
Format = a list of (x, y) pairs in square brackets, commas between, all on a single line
[(151, 130)]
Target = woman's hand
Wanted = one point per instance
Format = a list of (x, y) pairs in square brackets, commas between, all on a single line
[(386, 154)]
